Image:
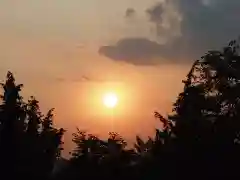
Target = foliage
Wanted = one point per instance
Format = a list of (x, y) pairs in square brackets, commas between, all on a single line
[(200, 139), (28, 140)]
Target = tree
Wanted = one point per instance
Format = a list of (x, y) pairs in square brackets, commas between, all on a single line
[(198, 140), (28, 140), (203, 130), (10, 112), (50, 139), (206, 115)]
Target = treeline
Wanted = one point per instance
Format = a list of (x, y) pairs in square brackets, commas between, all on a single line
[(200, 139)]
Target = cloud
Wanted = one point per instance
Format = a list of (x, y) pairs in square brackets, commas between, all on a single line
[(134, 50), (139, 51), (82, 78), (156, 12), (130, 12), (184, 29), (166, 21), (209, 24)]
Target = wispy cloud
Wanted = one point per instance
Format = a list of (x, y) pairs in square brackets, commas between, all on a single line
[(83, 78), (130, 12)]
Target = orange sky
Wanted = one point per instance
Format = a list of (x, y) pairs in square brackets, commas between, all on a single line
[(50, 53), (53, 74)]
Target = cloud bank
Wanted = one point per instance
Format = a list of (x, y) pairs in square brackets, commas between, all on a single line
[(184, 30)]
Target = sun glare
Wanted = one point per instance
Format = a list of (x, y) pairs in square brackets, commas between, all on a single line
[(110, 100)]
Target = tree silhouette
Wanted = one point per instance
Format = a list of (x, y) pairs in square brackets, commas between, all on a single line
[(206, 115), (10, 111), (28, 140), (203, 130), (198, 140)]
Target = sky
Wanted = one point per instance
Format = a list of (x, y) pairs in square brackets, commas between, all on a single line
[(68, 53)]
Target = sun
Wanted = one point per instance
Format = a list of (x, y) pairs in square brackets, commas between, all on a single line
[(110, 100)]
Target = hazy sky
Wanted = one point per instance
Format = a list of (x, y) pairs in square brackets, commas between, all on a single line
[(68, 53)]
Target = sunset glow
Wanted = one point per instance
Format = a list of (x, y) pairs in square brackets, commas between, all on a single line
[(110, 100)]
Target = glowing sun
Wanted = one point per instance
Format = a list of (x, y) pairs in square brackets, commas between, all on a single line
[(110, 100)]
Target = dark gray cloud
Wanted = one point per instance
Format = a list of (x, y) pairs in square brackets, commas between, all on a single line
[(138, 51), (209, 26), (130, 12), (205, 25), (165, 19), (155, 13), (134, 50)]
